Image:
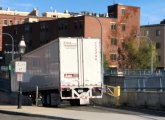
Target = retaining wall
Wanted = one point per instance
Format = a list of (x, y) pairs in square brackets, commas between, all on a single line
[(154, 100)]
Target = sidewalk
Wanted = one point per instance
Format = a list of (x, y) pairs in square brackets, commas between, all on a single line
[(54, 113), (65, 114), (34, 111)]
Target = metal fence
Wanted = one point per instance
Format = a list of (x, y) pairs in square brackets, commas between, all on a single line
[(136, 80)]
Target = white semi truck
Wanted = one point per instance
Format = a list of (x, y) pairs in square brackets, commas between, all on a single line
[(64, 69)]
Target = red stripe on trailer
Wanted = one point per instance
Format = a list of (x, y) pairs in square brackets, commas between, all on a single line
[(92, 85), (68, 85), (69, 98)]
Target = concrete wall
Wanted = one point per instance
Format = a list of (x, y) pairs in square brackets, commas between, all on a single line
[(143, 99), (153, 100)]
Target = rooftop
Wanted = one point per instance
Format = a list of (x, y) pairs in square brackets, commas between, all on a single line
[(153, 25)]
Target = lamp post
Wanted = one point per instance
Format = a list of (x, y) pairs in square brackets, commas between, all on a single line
[(152, 57), (12, 43), (101, 37), (22, 47)]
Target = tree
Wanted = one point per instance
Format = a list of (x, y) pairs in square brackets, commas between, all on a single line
[(106, 64), (136, 54)]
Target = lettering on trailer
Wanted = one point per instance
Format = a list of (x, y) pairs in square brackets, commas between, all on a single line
[(71, 75), (70, 45)]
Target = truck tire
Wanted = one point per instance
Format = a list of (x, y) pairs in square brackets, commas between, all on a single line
[(75, 102)]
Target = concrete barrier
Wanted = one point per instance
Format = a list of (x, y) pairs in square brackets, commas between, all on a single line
[(152, 100)]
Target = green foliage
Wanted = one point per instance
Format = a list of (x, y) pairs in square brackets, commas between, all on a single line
[(138, 54), (106, 64)]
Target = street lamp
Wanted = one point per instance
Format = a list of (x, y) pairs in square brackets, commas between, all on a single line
[(12, 43), (22, 47), (101, 37), (152, 57)]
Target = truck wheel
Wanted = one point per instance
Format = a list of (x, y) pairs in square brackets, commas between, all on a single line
[(75, 102)]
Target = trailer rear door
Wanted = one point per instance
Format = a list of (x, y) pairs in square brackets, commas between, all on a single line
[(69, 71), (92, 62)]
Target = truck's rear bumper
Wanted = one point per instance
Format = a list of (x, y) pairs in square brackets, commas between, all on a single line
[(81, 93)]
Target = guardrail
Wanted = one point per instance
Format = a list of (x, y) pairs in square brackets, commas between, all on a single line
[(128, 72), (137, 80)]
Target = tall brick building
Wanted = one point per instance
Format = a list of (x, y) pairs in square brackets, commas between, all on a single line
[(119, 24)]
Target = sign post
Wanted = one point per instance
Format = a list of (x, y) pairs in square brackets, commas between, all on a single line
[(20, 68)]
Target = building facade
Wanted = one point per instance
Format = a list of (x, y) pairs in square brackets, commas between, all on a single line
[(12, 17), (156, 34), (56, 14), (120, 23)]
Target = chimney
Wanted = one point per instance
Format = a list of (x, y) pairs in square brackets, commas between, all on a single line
[(35, 12)]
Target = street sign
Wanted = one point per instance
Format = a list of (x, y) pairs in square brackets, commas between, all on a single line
[(20, 66), (19, 77), (4, 68)]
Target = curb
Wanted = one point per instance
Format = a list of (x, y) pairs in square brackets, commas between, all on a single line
[(139, 111), (34, 115)]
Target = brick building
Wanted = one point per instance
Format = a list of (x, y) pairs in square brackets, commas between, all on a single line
[(119, 24), (9, 18), (156, 34)]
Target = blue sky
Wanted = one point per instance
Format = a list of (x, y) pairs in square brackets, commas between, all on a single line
[(152, 11)]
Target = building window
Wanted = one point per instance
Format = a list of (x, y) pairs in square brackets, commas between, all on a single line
[(147, 33), (22, 21), (158, 45), (157, 32), (10, 22), (76, 25), (113, 57), (81, 24), (4, 22), (113, 26), (27, 28), (123, 12), (60, 27), (54, 16), (15, 31), (113, 41), (17, 22), (66, 26), (159, 58), (44, 27), (123, 27), (63, 26)]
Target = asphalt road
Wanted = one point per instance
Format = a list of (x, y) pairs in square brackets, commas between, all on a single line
[(143, 114), (19, 117), (89, 112)]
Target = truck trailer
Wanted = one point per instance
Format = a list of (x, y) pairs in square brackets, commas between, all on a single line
[(63, 69)]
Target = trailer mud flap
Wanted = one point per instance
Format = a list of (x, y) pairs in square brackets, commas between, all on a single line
[(55, 99), (84, 98)]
